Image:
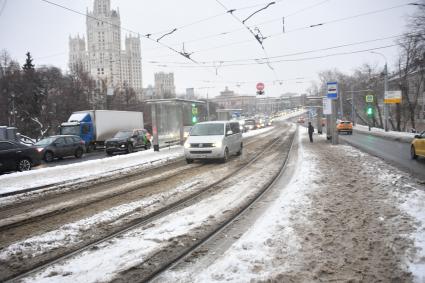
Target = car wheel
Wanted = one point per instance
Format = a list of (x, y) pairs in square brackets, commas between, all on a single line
[(48, 156), (240, 150), (189, 161), (24, 165), (130, 148), (78, 153), (226, 155), (110, 153), (413, 152)]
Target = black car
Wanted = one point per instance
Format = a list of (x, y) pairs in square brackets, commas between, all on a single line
[(127, 141), (15, 156), (60, 146)]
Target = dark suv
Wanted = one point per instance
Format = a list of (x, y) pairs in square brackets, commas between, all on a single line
[(60, 146), (127, 141), (15, 156)]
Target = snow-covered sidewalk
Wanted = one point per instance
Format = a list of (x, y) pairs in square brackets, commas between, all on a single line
[(345, 217)]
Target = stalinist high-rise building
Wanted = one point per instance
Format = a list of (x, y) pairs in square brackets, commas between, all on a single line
[(102, 57)]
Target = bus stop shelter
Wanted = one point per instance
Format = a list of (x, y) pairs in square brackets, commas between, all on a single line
[(170, 117)]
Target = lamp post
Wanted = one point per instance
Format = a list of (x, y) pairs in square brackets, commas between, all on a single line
[(385, 90)]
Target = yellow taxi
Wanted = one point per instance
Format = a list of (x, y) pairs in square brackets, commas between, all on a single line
[(345, 127), (417, 147)]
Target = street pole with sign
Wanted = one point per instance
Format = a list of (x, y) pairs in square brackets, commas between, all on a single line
[(332, 93)]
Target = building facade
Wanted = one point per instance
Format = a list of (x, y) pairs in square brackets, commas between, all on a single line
[(102, 57), (164, 85)]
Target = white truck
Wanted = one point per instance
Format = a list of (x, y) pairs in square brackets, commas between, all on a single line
[(96, 126)]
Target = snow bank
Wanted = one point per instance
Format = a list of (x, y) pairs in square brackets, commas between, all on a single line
[(95, 169), (397, 136)]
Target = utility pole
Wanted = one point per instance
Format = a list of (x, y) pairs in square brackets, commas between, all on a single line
[(334, 133), (208, 107), (385, 93), (353, 115), (385, 89), (340, 104)]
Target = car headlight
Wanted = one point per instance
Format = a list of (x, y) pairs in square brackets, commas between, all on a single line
[(40, 149), (123, 145), (217, 144), (186, 145)]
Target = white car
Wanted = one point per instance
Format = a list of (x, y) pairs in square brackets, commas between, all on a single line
[(213, 140)]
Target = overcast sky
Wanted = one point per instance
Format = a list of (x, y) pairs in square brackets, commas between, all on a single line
[(43, 29)]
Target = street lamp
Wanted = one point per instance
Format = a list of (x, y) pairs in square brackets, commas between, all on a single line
[(385, 90)]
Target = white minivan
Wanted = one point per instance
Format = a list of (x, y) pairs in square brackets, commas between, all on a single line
[(213, 140)]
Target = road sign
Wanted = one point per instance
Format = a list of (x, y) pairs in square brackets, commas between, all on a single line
[(392, 97), (369, 98), (332, 90), (260, 86), (327, 106)]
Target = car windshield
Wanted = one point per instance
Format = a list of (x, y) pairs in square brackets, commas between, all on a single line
[(70, 130), (207, 130), (45, 141), (123, 134)]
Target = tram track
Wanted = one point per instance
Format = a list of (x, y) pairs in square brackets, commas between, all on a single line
[(152, 268), (14, 215), (39, 264)]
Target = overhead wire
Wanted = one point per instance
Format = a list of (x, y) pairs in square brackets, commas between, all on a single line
[(256, 36), (213, 17), (296, 59), (288, 31), (294, 30), (296, 53)]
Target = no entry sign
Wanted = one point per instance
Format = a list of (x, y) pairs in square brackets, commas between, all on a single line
[(260, 86)]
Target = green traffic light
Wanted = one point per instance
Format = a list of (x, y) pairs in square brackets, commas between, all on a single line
[(194, 119), (369, 110)]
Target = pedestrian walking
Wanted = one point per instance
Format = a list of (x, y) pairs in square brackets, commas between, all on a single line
[(310, 131)]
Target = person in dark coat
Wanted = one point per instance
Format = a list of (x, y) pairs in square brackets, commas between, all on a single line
[(310, 131)]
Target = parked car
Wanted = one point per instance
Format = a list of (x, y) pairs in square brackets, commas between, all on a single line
[(60, 146), (345, 127), (127, 141), (213, 140), (15, 156), (301, 120), (417, 147)]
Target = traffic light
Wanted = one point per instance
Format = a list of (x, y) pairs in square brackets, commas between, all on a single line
[(194, 114), (369, 110)]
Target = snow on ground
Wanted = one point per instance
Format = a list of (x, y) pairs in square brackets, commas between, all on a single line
[(399, 136), (72, 233), (120, 253), (94, 169), (271, 249), (252, 257)]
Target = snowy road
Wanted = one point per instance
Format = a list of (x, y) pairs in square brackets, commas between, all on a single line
[(123, 209), (343, 216)]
